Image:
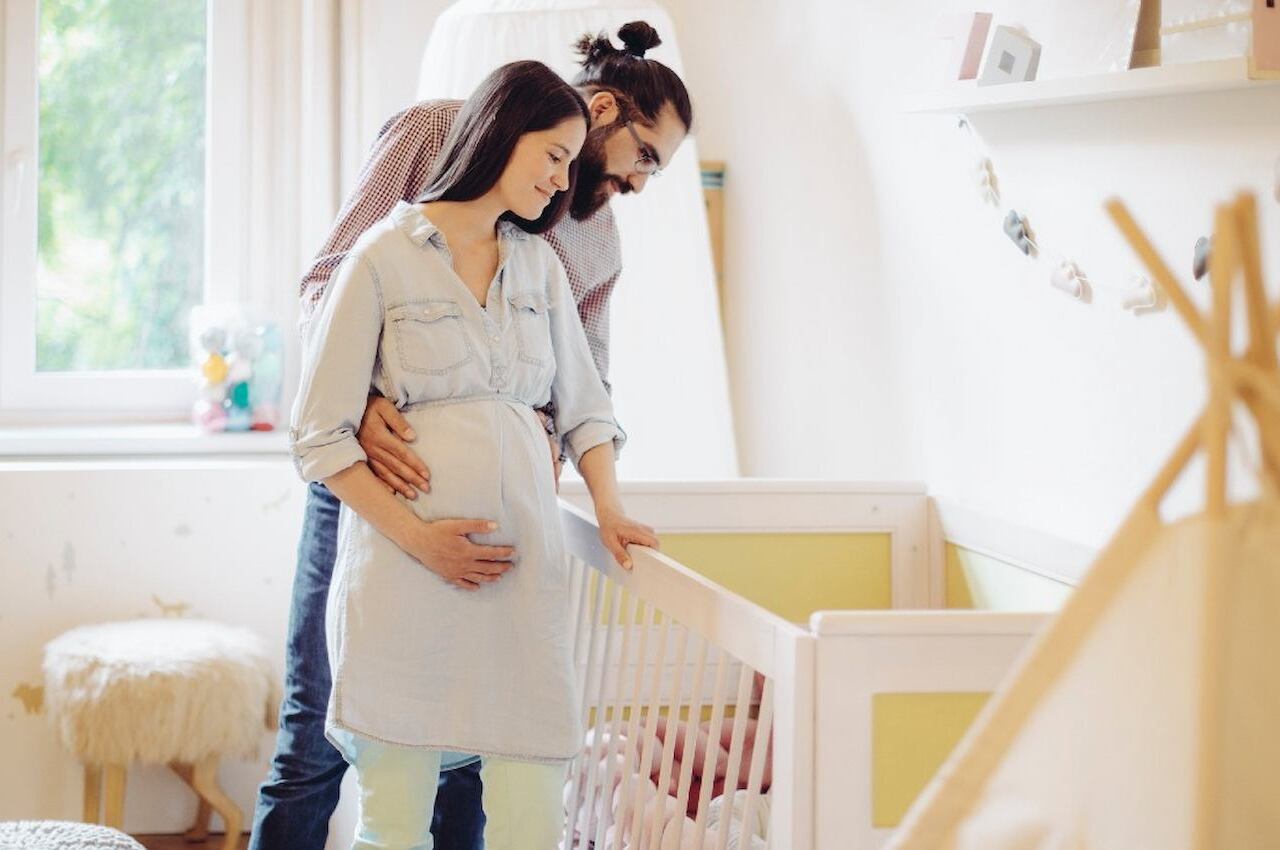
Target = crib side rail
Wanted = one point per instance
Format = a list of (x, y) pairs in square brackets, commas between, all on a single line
[(733, 623), (681, 680)]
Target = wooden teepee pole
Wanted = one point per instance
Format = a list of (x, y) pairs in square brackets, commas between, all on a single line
[(1261, 388), (1224, 265)]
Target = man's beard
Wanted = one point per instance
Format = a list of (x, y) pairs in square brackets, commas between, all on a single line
[(591, 191)]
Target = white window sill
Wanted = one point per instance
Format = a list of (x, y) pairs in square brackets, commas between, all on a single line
[(168, 440)]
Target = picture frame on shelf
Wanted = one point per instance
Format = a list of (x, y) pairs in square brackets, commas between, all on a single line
[(1013, 57)]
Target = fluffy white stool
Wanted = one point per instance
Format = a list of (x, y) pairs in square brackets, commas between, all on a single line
[(185, 693), (60, 835)]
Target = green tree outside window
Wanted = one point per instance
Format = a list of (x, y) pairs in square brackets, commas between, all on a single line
[(121, 187)]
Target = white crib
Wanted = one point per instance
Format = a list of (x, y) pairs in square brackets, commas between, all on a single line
[(664, 641)]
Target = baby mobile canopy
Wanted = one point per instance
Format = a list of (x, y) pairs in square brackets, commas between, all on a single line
[(667, 353), (1144, 718)]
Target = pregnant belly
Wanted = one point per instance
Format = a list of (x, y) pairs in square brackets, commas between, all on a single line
[(488, 460)]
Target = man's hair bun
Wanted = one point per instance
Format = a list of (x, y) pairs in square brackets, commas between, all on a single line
[(638, 37)]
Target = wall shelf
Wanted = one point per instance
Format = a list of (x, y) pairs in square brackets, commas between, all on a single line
[(1191, 78)]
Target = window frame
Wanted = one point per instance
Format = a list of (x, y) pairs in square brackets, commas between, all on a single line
[(116, 395)]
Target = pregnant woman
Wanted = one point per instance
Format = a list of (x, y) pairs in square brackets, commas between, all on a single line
[(455, 310)]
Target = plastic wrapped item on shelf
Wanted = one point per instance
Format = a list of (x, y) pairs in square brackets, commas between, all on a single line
[(964, 36), (1201, 31), (239, 361)]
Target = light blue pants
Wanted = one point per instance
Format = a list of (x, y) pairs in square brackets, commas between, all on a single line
[(522, 801)]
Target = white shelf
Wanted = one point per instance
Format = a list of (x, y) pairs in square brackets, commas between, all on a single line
[(136, 441), (1190, 78)]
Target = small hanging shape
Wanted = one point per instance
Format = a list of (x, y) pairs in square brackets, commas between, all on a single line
[(1200, 259), (1068, 278), (984, 174), (1143, 298), (1016, 228)]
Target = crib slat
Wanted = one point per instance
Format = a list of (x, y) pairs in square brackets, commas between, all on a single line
[(669, 739), (629, 781), (691, 735), (646, 758), (575, 786), (579, 573), (614, 606), (741, 713), (713, 740), (628, 626), (759, 752)]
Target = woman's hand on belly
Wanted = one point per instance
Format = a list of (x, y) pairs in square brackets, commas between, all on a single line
[(443, 547)]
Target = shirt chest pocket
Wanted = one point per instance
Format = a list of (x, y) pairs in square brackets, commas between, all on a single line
[(429, 337), (532, 326)]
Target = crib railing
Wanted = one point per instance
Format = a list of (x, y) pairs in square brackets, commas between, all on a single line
[(659, 645)]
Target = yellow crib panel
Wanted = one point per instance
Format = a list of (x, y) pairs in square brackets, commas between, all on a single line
[(911, 735), (792, 574)]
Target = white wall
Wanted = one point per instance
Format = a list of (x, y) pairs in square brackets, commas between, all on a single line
[(92, 542), (881, 324), (390, 35), (814, 364)]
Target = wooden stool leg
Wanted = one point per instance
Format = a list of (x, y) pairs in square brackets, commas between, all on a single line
[(199, 830), (92, 793), (204, 778), (113, 816)]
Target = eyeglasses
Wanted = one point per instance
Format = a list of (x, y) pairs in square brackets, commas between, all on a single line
[(647, 163)]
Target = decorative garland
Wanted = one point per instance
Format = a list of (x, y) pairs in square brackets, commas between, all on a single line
[(1140, 298)]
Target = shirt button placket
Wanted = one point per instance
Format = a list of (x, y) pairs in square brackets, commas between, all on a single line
[(499, 370)]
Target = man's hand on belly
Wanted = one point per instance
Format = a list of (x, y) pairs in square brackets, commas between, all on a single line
[(385, 436)]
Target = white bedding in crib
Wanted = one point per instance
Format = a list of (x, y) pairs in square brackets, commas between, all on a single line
[(617, 788)]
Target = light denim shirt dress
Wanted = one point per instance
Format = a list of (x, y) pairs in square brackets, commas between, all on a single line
[(415, 660)]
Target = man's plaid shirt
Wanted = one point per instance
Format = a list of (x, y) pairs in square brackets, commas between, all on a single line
[(397, 170)]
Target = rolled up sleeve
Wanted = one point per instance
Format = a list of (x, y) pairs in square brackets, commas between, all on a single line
[(340, 352), (583, 410)]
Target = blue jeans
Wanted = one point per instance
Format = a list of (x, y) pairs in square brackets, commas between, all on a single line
[(301, 792)]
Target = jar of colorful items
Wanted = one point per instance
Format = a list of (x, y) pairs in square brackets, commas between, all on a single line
[(241, 366)]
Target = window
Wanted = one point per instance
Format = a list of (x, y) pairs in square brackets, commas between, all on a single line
[(108, 106), (120, 191)]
